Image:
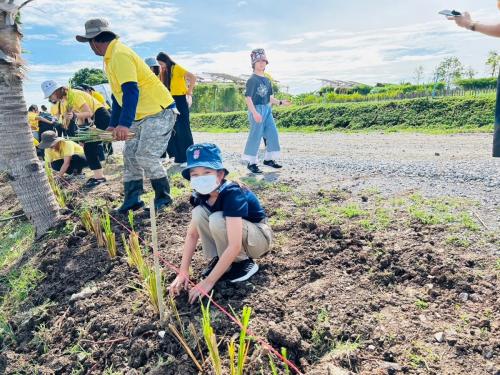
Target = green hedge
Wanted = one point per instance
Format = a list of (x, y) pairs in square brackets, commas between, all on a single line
[(477, 83), (451, 112)]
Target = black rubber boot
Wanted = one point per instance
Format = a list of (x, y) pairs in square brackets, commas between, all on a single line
[(132, 200), (162, 193)]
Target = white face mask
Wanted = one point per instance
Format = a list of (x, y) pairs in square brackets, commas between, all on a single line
[(204, 184)]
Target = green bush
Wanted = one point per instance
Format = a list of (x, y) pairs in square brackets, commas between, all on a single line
[(450, 112), (477, 83)]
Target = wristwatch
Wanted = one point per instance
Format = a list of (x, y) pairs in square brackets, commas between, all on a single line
[(472, 26), (281, 102)]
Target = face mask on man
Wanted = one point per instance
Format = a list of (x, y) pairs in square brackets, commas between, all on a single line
[(204, 184)]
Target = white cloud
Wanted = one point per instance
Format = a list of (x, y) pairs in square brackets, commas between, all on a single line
[(241, 4), (291, 42), (379, 55), (69, 68), (41, 37), (136, 21)]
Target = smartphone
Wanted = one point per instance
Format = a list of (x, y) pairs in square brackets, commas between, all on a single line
[(450, 13)]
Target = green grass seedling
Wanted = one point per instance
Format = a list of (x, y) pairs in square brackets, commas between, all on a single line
[(109, 236), (134, 253), (149, 285), (244, 345), (211, 340), (60, 195)]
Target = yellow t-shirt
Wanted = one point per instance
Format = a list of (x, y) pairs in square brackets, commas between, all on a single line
[(124, 65), (78, 99), (178, 84), (33, 121), (67, 148), (98, 96), (54, 110), (58, 110), (35, 142)]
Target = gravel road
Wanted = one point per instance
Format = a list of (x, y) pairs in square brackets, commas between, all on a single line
[(453, 165)]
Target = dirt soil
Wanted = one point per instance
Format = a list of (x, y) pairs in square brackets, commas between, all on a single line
[(342, 297)]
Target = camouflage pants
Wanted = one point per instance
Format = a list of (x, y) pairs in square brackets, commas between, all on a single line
[(142, 155)]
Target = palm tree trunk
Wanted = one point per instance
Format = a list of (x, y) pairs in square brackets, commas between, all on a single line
[(17, 153)]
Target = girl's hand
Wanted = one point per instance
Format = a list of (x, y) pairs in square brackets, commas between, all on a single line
[(180, 283), (189, 99), (257, 117), (195, 292), (285, 102)]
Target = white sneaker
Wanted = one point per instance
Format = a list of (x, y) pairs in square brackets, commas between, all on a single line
[(242, 271)]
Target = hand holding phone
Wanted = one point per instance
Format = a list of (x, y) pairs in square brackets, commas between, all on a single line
[(450, 13)]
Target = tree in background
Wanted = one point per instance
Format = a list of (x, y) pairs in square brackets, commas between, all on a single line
[(217, 98), (419, 75), (470, 73), (493, 62), (89, 76), (17, 153), (448, 71)]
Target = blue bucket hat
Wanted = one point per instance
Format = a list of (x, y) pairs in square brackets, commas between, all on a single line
[(205, 155)]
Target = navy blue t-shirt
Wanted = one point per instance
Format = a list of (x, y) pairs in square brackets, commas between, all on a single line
[(259, 89), (233, 201)]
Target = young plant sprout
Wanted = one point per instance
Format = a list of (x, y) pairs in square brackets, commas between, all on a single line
[(285, 356), (109, 236), (134, 254), (97, 229), (58, 192), (131, 220), (86, 218), (211, 340), (243, 347), (149, 284)]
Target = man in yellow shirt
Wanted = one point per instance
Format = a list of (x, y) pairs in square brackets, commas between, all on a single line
[(141, 105), (63, 155)]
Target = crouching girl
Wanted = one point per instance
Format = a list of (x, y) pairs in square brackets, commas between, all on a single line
[(229, 220)]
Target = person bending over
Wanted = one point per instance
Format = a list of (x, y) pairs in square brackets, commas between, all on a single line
[(64, 156)]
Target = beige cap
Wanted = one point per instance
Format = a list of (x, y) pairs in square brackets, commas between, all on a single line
[(93, 28)]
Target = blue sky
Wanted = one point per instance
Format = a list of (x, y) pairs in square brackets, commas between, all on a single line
[(362, 40)]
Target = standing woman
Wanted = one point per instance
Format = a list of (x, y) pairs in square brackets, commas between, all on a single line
[(83, 108), (175, 78)]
